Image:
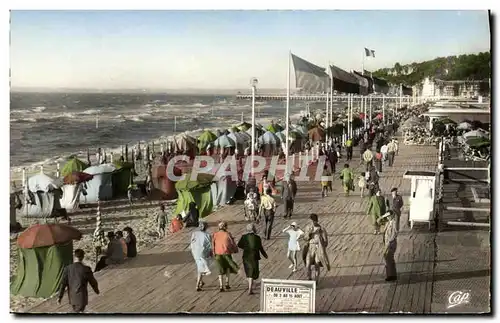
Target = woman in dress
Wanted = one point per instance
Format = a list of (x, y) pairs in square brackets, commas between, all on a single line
[(252, 249), (223, 246), (314, 251), (201, 248)]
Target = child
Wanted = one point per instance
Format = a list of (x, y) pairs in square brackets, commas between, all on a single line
[(176, 224), (326, 181), (362, 183), (161, 221)]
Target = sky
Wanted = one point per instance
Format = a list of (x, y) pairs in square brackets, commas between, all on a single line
[(224, 49)]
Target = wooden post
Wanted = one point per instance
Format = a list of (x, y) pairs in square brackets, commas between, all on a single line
[(126, 152), (58, 173)]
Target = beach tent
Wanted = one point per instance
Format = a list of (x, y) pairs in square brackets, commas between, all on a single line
[(223, 189), (73, 165), (100, 187), (316, 134), (241, 139), (464, 126), (163, 186), (206, 138), (233, 129), (43, 194), (198, 191), (269, 144), (224, 141), (122, 177), (258, 132), (70, 199), (44, 251)]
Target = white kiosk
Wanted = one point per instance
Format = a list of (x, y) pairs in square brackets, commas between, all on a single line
[(422, 196)]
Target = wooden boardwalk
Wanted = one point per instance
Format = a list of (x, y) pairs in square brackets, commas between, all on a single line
[(163, 279)]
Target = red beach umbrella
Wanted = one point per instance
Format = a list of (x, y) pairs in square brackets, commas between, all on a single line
[(77, 177), (45, 235)]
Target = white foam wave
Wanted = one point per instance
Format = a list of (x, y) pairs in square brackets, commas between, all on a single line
[(91, 111), (38, 109)]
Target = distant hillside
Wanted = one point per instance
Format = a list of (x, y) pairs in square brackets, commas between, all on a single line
[(463, 67)]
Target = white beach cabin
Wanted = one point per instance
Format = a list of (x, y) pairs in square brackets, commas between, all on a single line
[(422, 196)]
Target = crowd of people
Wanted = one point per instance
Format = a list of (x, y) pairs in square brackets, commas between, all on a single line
[(219, 247)]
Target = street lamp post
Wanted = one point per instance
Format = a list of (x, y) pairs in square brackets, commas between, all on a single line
[(253, 83)]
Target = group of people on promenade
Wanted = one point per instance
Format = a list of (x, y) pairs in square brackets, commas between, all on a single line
[(311, 242), (220, 247)]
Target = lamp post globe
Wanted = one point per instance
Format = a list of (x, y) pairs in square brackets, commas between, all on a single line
[(254, 81)]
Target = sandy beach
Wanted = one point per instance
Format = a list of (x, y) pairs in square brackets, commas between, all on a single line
[(115, 216)]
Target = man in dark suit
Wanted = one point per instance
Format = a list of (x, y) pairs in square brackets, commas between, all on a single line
[(288, 195), (395, 203), (76, 277)]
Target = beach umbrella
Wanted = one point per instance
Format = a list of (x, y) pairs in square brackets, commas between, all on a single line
[(244, 126), (447, 120), (73, 165), (206, 138), (268, 138), (44, 235), (294, 135), (184, 142), (239, 137), (77, 177), (100, 169), (464, 126), (43, 182), (316, 134), (224, 141), (258, 132), (301, 129), (475, 133), (478, 142), (274, 128), (281, 136)]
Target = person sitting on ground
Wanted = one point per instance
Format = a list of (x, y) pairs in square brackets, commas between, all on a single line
[(131, 241), (193, 216), (112, 255), (176, 224), (123, 243)]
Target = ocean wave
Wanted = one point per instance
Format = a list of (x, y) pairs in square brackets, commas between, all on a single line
[(23, 120), (88, 112), (38, 109)]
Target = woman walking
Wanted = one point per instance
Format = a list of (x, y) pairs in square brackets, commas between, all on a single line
[(201, 248), (223, 246), (314, 252), (326, 181), (252, 249)]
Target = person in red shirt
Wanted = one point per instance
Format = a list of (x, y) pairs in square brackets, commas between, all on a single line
[(176, 224)]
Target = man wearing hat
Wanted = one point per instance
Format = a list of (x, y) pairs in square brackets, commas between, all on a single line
[(390, 244), (395, 203)]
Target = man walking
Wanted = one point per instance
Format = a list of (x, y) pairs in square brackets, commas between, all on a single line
[(395, 204), (391, 151), (368, 159), (75, 278), (348, 148), (390, 245), (288, 196), (268, 208)]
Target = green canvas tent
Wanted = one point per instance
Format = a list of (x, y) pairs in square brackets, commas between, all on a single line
[(73, 165), (39, 270), (198, 191), (122, 177)]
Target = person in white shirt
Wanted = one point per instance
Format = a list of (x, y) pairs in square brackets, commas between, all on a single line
[(383, 151), (294, 234)]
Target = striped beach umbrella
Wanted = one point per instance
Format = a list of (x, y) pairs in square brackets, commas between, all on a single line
[(98, 239)]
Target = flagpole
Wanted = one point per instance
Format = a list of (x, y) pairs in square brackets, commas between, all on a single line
[(331, 98), (287, 110), (326, 115), (363, 63)]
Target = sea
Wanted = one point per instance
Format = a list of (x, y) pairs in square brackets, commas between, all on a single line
[(46, 128)]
